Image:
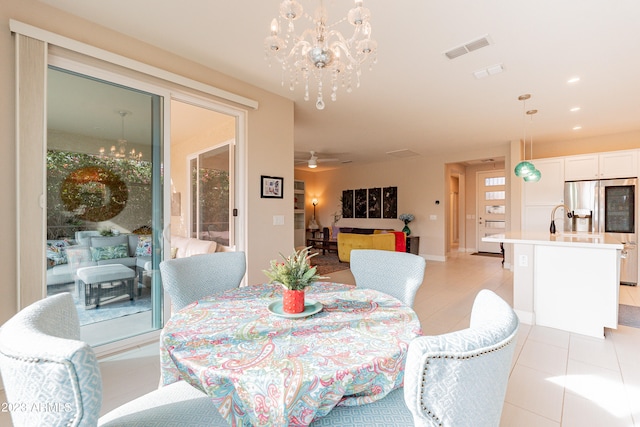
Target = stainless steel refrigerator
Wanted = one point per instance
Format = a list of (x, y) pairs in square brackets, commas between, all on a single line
[(607, 206)]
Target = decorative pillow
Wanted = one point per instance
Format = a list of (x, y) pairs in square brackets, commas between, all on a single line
[(56, 251), (110, 252), (174, 252), (144, 246)]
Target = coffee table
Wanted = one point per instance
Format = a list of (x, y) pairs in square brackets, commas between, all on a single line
[(95, 278)]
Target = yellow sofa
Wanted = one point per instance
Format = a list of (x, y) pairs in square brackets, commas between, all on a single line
[(349, 241)]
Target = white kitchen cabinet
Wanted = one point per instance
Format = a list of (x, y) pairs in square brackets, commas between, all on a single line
[(581, 168), (615, 164), (550, 189), (620, 164), (541, 197)]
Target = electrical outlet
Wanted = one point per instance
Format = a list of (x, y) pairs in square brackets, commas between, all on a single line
[(523, 261)]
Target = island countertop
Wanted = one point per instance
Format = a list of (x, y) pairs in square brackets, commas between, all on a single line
[(566, 281), (585, 240)]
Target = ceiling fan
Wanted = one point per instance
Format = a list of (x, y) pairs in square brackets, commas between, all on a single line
[(313, 161)]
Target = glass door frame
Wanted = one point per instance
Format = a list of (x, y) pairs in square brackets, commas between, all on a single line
[(160, 310), (195, 216)]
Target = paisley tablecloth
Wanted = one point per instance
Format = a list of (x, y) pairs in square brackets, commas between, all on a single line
[(264, 370)]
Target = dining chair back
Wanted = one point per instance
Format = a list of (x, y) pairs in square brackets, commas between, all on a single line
[(398, 274), (457, 379), (192, 278), (51, 378)]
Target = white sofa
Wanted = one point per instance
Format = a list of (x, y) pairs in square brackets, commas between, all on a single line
[(78, 254), (182, 247)]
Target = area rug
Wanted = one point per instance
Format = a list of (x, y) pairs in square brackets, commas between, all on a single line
[(327, 263), (108, 309), (491, 254), (629, 315)]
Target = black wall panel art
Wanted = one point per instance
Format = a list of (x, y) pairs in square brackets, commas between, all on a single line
[(390, 202), (360, 203), (375, 202), (347, 204), (372, 203)]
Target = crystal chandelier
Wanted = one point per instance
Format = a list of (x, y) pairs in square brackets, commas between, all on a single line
[(321, 53), (120, 152)]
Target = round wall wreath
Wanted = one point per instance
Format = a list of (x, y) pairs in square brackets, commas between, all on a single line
[(94, 193)]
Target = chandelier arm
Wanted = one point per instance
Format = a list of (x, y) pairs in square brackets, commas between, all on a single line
[(346, 47), (300, 46)]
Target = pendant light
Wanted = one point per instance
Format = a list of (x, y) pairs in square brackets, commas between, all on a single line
[(535, 174), (525, 169)]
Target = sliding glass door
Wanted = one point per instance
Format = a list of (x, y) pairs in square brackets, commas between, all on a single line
[(104, 203), (211, 195)]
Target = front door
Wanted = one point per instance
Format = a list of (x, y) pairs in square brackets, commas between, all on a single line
[(491, 208)]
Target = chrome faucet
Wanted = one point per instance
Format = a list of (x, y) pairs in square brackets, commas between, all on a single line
[(552, 228)]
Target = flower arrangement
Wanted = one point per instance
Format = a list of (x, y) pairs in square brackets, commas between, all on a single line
[(295, 273), (407, 218)]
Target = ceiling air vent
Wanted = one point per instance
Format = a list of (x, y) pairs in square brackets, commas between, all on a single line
[(468, 47), (402, 153)]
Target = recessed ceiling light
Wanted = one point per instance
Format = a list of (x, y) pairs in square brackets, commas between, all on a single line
[(573, 80), (577, 127), (574, 109)]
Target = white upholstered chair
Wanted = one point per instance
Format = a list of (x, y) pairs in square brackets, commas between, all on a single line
[(55, 377), (192, 278), (398, 274), (457, 379)]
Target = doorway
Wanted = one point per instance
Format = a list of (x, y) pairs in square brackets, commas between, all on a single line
[(491, 208), (454, 212), (204, 172)]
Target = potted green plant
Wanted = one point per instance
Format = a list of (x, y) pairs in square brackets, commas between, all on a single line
[(294, 274)]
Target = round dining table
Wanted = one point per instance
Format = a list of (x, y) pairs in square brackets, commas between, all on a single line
[(262, 367)]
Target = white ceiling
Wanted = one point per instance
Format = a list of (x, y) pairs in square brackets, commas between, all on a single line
[(415, 98)]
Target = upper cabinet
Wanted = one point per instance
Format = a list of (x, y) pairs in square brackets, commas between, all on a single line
[(550, 189), (622, 164), (617, 164), (581, 168)]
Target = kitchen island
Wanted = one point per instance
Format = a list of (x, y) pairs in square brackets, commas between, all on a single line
[(567, 281)]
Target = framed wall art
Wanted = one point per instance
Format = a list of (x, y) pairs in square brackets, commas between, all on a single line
[(271, 187), (360, 203), (390, 202), (347, 204), (375, 202)]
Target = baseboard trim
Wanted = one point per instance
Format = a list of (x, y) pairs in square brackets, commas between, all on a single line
[(434, 258), (526, 316)]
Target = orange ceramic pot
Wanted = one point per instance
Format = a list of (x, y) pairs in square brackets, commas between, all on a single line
[(292, 301)]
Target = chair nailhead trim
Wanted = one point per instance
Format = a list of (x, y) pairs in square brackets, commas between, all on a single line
[(446, 356)]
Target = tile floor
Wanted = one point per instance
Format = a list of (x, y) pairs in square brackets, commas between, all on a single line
[(558, 378)]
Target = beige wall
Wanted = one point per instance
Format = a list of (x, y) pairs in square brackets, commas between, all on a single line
[(269, 131), (613, 142)]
